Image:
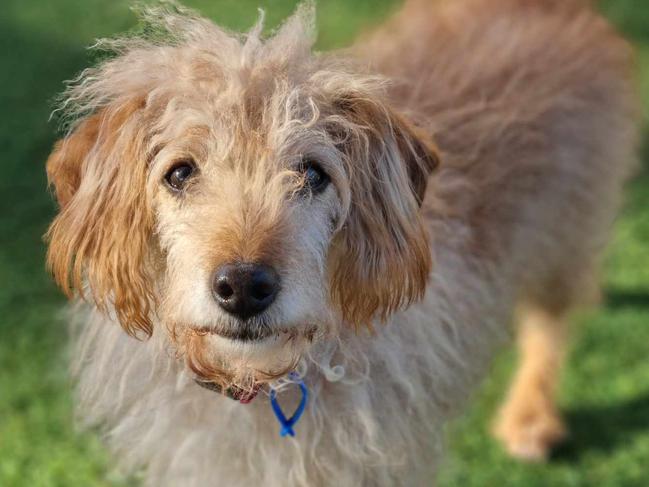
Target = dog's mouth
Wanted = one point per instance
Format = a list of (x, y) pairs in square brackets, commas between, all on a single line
[(251, 334), (237, 359), (258, 333)]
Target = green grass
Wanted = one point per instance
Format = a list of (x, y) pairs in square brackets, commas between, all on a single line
[(605, 394)]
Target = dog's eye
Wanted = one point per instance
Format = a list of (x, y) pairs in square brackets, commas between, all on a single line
[(178, 175), (315, 179)]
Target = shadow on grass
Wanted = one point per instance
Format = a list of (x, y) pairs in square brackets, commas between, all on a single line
[(602, 429), (643, 153), (619, 299)]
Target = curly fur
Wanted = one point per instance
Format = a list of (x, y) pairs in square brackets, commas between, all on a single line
[(528, 104)]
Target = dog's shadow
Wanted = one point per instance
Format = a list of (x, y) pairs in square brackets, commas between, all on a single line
[(616, 299), (602, 428)]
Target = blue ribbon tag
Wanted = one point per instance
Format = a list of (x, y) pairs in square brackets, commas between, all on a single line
[(287, 424)]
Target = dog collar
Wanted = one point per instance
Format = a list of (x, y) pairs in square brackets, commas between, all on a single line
[(246, 396), (288, 423)]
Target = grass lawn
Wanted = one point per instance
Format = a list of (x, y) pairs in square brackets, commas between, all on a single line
[(605, 394)]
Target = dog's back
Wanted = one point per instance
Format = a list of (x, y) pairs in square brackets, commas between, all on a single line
[(534, 109)]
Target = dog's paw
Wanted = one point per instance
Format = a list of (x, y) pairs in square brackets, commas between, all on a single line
[(529, 435)]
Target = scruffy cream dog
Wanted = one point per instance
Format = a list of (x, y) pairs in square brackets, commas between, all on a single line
[(369, 220)]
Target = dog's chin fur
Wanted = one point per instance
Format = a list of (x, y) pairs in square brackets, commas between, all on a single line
[(533, 109), (243, 364), (221, 354)]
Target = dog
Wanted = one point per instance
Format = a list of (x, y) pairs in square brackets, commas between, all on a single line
[(245, 225)]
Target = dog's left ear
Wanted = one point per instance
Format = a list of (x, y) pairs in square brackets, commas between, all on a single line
[(100, 236), (380, 260)]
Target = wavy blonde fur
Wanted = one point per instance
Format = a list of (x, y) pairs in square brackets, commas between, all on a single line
[(524, 113)]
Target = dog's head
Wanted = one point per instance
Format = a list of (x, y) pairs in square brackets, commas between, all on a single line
[(244, 195)]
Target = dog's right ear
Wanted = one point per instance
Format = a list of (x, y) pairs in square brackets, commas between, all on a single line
[(98, 241)]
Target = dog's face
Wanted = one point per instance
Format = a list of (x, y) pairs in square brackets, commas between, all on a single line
[(244, 196)]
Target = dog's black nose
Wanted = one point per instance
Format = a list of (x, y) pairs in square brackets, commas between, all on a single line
[(245, 289)]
